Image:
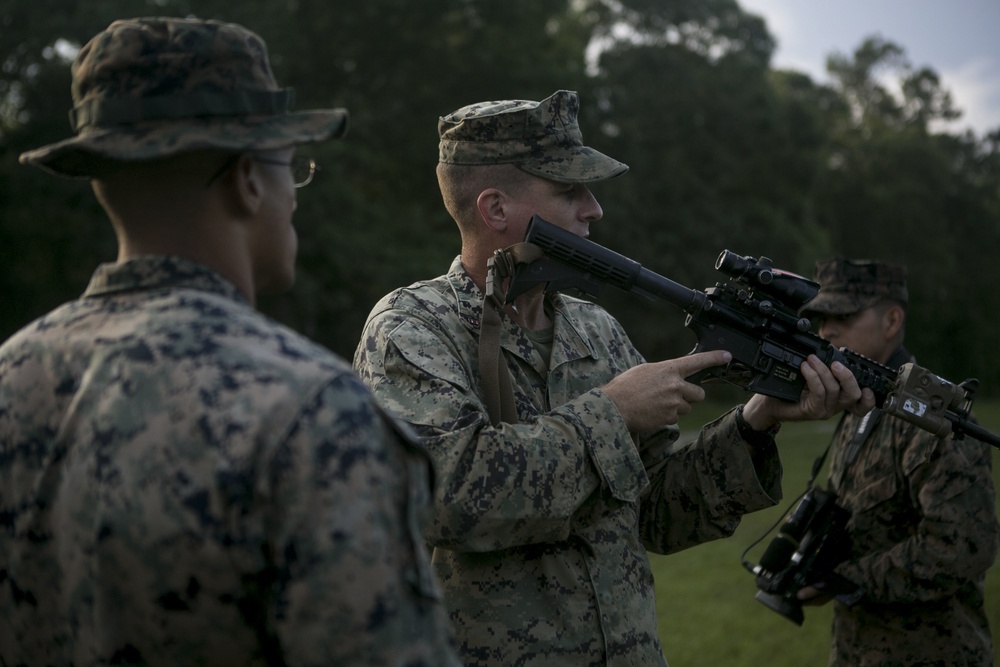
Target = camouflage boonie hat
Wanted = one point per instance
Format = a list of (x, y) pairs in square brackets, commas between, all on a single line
[(541, 138), (848, 286), (153, 87)]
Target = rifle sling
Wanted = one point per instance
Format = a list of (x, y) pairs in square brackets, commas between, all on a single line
[(498, 386)]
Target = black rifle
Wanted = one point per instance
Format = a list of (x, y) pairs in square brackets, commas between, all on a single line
[(755, 317)]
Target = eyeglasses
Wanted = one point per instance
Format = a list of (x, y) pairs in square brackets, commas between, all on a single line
[(303, 169)]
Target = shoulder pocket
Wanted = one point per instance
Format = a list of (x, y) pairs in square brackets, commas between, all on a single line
[(431, 352)]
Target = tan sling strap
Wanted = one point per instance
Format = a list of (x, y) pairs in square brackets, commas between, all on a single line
[(498, 388)]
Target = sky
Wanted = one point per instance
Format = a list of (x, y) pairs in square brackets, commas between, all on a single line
[(958, 39)]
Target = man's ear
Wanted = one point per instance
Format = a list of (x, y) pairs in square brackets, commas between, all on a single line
[(492, 205), (893, 318), (246, 186)]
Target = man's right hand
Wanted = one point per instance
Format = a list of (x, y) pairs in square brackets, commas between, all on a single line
[(653, 395)]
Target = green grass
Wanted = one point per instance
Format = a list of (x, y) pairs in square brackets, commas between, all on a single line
[(705, 598)]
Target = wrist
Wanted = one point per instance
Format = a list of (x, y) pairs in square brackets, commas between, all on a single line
[(751, 435)]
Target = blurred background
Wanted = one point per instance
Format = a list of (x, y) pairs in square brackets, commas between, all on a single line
[(734, 143), (727, 151)]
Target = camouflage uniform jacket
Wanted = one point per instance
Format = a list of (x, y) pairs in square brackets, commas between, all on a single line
[(924, 532), (540, 528), (184, 481)]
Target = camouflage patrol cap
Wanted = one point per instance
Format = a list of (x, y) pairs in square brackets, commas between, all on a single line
[(848, 286), (152, 87), (541, 138)]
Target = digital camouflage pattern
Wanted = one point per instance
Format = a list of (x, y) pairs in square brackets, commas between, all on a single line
[(848, 286), (152, 87), (185, 482), (541, 138), (540, 528), (924, 531)]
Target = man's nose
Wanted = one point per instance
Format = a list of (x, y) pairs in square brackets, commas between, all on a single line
[(591, 211)]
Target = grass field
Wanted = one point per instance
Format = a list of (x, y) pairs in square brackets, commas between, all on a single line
[(705, 598)]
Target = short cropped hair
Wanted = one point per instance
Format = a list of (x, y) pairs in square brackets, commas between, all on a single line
[(462, 184)]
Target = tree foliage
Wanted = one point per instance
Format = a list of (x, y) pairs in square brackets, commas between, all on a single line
[(725, 152)]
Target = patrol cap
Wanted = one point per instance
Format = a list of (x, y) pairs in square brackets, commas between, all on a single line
[(848, 286), (153, 87), (541, 138)]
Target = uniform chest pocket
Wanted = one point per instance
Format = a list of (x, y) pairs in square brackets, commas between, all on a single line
[(875, 491), (871, 481), (881, 515)]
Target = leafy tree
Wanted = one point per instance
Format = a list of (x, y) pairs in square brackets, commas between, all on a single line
[(396, 65), (725, 153), (898, 192), (51, 232), (719, 159)]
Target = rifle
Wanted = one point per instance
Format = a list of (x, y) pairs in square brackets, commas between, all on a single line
[(754, 315)]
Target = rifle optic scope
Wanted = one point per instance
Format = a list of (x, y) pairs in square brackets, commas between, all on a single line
[(789, 289)]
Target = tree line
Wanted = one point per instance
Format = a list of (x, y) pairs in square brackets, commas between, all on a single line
[(726, 152)]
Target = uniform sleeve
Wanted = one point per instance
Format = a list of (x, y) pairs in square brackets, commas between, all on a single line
[(353, 582), (956, 539), (699, 492), (497, 487)]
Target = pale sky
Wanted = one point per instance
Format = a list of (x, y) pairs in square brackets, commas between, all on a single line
[(958, 39)]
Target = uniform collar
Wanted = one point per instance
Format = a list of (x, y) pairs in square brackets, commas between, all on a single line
[(158, 272), (568, 341)]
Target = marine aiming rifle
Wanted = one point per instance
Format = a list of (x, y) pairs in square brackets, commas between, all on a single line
[(753, 315)]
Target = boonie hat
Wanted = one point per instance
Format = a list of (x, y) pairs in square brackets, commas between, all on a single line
[(153, 87), (541, 138), (848, 286)]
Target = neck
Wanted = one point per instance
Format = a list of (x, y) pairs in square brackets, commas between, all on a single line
[(164, 208), (216, 251), (528, 310)]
